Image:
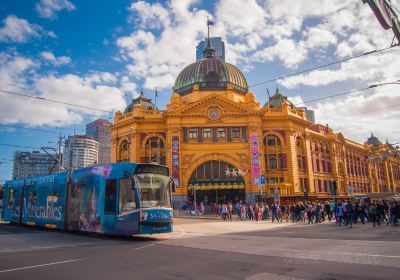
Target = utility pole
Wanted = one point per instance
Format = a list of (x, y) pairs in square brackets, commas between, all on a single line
[(61, 138)]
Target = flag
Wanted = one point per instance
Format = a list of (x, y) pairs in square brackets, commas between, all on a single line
[(156, 93), (210, 22)]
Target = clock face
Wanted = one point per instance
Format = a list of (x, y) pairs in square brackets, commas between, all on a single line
[(214, 113)]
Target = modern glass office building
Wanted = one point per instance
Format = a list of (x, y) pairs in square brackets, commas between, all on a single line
[(217, 44), (100, 131)]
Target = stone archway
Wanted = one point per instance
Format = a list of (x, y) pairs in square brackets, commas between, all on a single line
[(216, 156), (217, 177)]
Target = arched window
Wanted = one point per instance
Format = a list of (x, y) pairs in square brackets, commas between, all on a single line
[(271, 140), (124, 151), (216, 172), (155, 150)]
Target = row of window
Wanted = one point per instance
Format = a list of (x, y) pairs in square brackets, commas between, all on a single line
[(322, 166), (214, 134), (325, 186)]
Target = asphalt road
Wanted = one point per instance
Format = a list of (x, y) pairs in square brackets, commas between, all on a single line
[(205, 249)]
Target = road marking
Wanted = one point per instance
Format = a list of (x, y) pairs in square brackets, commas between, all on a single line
[(39, 265), (148, 245)]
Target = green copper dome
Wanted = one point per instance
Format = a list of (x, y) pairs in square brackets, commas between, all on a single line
[(142, 100), (210, 73)]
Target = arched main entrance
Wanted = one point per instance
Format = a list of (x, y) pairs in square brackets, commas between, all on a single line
[(216, 181)]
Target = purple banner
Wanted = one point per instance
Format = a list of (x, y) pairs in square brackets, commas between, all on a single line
[(255, 159), (175, 159)]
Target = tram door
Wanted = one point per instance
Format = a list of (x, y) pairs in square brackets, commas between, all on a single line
[(12, 205)]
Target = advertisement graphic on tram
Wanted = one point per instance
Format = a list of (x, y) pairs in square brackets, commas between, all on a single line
[(114, 199)]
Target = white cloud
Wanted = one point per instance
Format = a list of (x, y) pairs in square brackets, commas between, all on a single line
[(15, 71), (359, 114), (157, 57), (18, 30), (291, 53), (368, 69), (151, 16), (297, 100), (20, 74), (49, 8), (56, 61)]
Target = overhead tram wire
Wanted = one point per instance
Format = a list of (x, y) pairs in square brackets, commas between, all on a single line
[(29, 128), (323, 66), (42, 130), (347, 92), (19, 146), (54, 101)]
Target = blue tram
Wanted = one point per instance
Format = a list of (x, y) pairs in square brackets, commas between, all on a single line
[(114, 199)]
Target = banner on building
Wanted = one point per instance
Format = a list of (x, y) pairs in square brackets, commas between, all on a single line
[(175, 160), (255, 159)]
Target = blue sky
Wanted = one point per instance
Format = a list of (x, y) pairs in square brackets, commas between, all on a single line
[(102, 53)]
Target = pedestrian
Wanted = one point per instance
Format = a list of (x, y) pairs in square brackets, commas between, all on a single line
[(309, 213), (256, 212), (350, 213), (339, 213), (373, 214), (274, 210)]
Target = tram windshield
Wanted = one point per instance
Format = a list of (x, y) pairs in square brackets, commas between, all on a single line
[(154, 190)]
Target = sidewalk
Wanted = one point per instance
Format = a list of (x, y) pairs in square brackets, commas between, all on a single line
[(185, 214)]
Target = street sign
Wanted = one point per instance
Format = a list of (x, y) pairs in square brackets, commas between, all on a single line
[(262, 180), (350, 189)]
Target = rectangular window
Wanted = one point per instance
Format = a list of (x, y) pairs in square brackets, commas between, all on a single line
[(127, 198), (300, 162), (207, 133), (110, 197), (221, 133), (235, 132), (273, 180), (280, 161), (193, 133), (272, 162)]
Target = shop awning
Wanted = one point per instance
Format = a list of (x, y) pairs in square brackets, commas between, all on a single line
[(217, 187)]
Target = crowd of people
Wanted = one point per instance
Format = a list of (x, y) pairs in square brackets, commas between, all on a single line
[(344, 212)]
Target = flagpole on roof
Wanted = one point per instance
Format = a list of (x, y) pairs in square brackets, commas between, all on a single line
[(155, 96)]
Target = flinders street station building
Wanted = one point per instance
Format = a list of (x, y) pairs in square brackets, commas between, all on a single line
[(221, 144)]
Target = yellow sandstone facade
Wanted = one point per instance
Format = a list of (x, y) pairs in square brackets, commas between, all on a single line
[(219, 142)]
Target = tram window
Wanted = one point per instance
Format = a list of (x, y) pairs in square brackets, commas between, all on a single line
[(52, 197), (111, 196), (11, 199), (127, 199), (32, 197)]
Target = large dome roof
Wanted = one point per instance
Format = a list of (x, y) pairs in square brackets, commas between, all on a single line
[(210, 73)]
